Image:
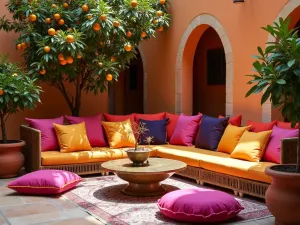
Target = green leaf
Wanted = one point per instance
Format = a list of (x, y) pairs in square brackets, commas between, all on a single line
[(291, 62), (281, 81), (297, 72), (266, 95)]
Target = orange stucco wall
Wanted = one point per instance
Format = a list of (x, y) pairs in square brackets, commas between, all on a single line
[(201, 103), (242, 23)]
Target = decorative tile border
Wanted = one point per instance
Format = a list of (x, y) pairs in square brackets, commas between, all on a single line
[(290, 6), (205, 19)]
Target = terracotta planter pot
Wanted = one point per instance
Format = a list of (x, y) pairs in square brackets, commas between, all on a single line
[(11, 159), (283, 195)]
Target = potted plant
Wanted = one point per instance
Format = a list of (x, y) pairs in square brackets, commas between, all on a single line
[(17, 92), (139, 155), (278, 74)]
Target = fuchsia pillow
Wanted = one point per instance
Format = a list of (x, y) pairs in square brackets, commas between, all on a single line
[(199, 206), (259, 127), (45, 182), (94, 129), (185, 130), (171, 124), (49, 141), (273, 150)]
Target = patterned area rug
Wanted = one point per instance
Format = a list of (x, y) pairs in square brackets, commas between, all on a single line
[(101, 197)]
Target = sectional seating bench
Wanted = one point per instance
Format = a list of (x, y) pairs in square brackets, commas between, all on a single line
[(217, 168)]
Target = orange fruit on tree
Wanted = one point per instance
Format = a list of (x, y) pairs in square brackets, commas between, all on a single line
[(54, 6), (56, 16), (70, 38), (70, 60), (162, 2), (101, 43), (61, 57), (160, 29), (97, 27), (43, 71), (109, 77), (48, 20), (32, 17), (23, 45), (103, 17), (159, 13), (79, 56), (70, 29), (1, 92), (128, 47), (116, 23), (89, 17), (85, 8), (65, 5), (51, 31), (143, 34), (47, 49), (19, 46), (134, 3), (58, 32), (113, 59), (63, 62), (154, 21), (128, 34), (61, 22)]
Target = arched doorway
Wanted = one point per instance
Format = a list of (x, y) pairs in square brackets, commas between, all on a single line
[(184, 63), (209, 75), (294, 24), (291, 10), (126, 96)]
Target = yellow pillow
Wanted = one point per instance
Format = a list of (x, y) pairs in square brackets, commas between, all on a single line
[(251, 146), (230, 138), (72, 138), (119, 134)]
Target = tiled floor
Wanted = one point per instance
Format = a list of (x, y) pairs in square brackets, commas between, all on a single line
[(22, 210)]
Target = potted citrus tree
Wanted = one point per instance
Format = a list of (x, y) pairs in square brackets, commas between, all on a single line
[(278, 75), (17, 92)]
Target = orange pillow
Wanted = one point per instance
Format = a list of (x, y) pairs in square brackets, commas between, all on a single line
[(230, 138), (72, 138), (119, 134), (251, 146)]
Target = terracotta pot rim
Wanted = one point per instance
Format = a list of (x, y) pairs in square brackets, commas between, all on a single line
[(18, 143), (279, 174)]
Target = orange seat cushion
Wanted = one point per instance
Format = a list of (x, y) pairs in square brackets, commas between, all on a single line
[(72, 138), (251, 146), (230, 138), (51, 158)]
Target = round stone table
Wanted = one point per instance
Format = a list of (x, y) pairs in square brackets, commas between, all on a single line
[(144, 180)]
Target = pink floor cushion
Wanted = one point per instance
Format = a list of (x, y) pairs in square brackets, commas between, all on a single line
[(45, 182), (199, 206)]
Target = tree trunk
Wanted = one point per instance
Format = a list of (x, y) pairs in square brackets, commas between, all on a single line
[(3, 129), (298, 153)]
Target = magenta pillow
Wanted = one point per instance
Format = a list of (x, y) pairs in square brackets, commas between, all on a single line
[(199, 206), (273, 150), (45, 182), (94, 129), (48, 137), (185, 130)]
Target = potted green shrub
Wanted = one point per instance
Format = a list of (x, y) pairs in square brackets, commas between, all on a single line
[(17, 92), (278, 74)]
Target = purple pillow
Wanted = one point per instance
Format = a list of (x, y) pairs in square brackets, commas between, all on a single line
[(185, 130), (199, 206), (49, 141), (94, 129), (156, 129), (272, 153), (211, 131), (45, 182)]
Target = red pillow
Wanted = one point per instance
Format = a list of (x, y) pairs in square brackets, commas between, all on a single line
[(157, 116), (171, 125), (236, 121), (286, 125), (259, 127), (118, 118), (185, 130)]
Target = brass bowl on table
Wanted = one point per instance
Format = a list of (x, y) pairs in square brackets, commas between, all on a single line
[(138, 157)]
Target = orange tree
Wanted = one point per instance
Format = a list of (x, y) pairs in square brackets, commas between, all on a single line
[(82, 42)]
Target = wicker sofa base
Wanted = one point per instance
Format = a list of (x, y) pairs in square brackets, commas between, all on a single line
[(240, 186)]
